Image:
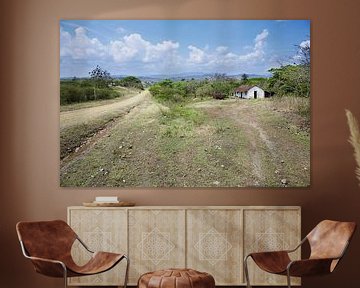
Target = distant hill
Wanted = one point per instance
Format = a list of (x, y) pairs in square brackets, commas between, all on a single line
[(179, 76), (193, 75)]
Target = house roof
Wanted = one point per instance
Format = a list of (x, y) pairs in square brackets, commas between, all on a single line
[(244, 88)]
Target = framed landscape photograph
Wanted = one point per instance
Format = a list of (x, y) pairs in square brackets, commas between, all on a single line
[(185, 103)]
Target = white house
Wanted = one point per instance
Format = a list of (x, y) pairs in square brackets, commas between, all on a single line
[(250, 92)]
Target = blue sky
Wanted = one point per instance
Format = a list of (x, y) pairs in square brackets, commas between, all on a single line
[(151, 47)]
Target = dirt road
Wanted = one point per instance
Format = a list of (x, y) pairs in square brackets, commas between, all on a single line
[(230, 143), (80, 116)]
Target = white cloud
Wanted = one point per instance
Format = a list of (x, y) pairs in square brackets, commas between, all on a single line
[(65, 40), (223, 59), (134, 47), (128, 48), (262, 36), (160, 56), (166, 50), (305, 44), (222, 49), (80, 46), (299, 56), (196, 55), (258, 50)]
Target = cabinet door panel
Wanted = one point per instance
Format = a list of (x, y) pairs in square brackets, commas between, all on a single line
[(270, 230), (156, 240), (100, 230), (214, 244)]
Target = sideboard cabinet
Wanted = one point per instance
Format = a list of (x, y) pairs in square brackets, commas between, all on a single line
[(211, 239)]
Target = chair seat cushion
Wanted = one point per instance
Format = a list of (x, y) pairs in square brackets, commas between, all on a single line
[(272, 262), (176, 278)]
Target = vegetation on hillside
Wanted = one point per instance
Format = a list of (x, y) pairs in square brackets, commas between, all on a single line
[(129, 81), (170, 92), (290, 80), (293, 79), (99, 86), (82, 90)]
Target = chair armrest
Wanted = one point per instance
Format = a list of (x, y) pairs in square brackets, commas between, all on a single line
[(45, 260), (281, 251), (84, 245), (48, 267), (298, 246), (309, 267), (268, 254)]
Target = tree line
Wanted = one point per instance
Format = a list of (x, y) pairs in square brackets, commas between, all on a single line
[(289, 79), (99, 86), (219, 87)]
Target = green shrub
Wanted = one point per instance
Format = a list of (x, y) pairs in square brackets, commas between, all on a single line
[(76, 91), (204, 91), (170, 92), (131, 82)]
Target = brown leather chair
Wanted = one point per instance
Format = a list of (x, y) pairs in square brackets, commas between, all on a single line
[(48, 245), (328, 242)]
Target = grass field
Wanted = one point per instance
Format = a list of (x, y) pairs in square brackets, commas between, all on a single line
[(137, 142)]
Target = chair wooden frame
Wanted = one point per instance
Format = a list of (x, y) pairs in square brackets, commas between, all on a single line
[(315, 265), (66, 272)]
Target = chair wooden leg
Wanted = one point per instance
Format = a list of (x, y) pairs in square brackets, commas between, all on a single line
[(246, 271)]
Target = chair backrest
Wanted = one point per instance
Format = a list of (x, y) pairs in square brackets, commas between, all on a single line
[(329, 239), (46, 239)]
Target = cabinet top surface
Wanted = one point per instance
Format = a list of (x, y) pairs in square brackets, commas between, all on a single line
[(192, 207)]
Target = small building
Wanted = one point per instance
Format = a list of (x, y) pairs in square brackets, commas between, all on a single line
[(250, 92)]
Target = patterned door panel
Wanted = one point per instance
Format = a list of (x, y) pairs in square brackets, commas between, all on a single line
[(100, 230), (214, 244), (270, 230), (157, 240)]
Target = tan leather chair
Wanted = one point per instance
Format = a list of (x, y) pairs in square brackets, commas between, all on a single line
[(48, 245), (328, 242)]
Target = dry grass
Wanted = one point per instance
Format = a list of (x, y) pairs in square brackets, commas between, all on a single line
[(300, 105), (354, 139)]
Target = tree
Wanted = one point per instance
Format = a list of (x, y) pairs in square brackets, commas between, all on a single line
[(303, 54), (304, 60), (290, 80), (205, 90), (100, 78), (293, 79), (244, 77), (221, 88), (219, 77), (222, 85), (131, 81)]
